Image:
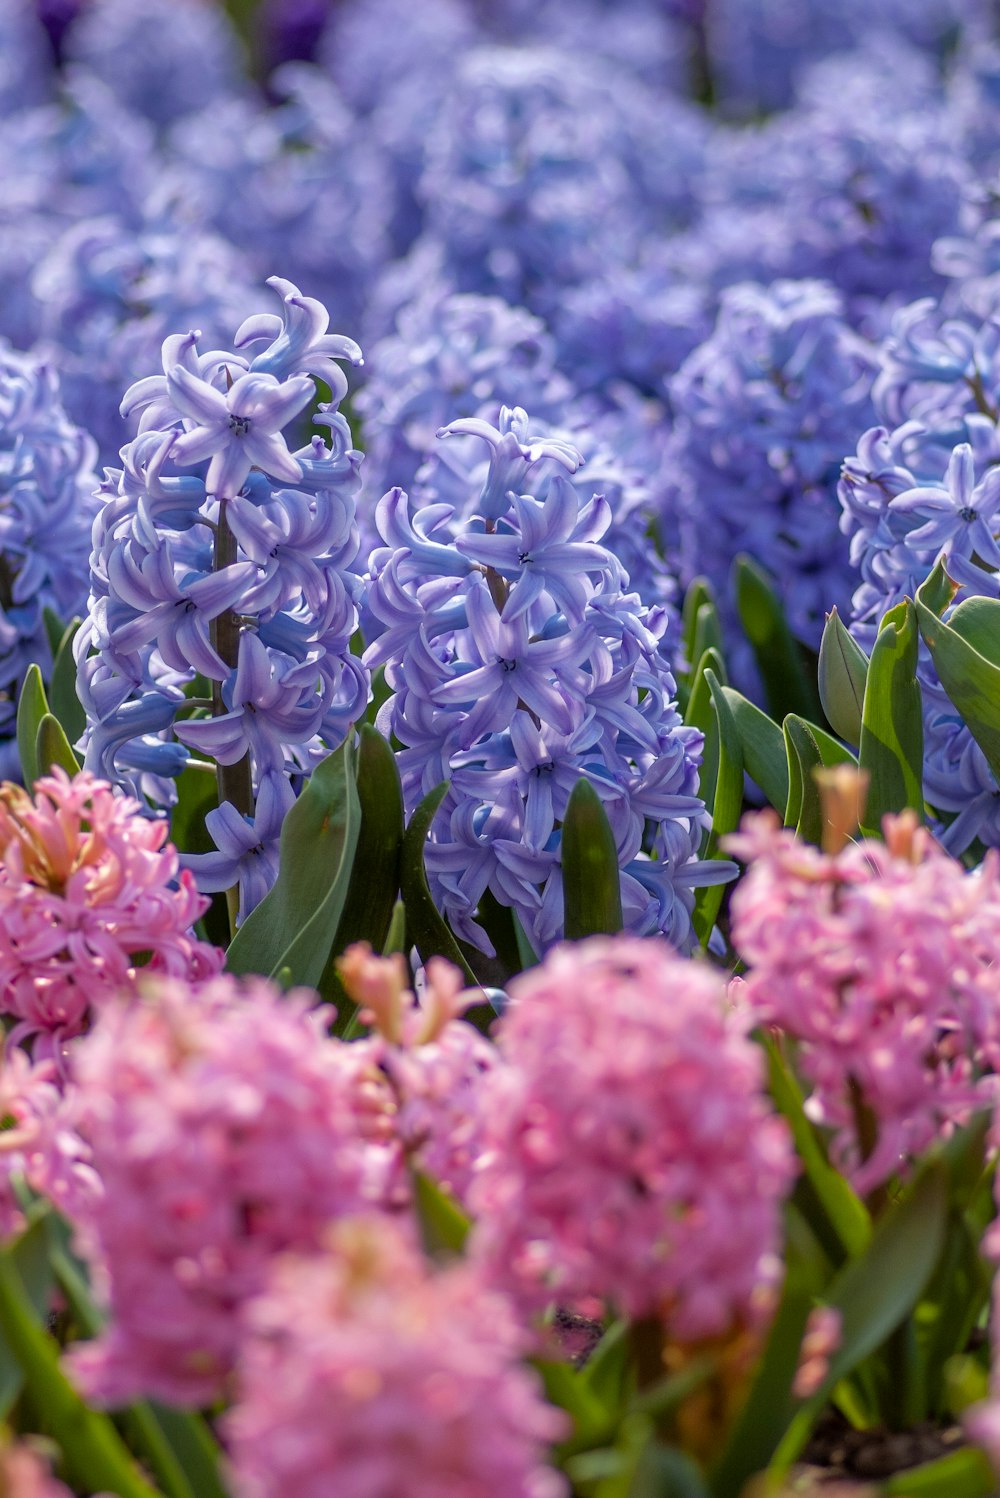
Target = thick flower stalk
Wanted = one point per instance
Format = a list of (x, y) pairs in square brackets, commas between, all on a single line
[(519, 661), (879, 963), (221, 565), (421, 1368), (222, 1126), (46, 512), (90, 895), (632, 1154)]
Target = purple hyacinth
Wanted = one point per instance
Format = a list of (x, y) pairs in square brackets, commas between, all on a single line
[(519, 661), (222, 564)]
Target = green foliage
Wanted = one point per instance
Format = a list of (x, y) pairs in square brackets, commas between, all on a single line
[(843, 670), (591, 879), (892, 735), (966, 653), (788, 686)]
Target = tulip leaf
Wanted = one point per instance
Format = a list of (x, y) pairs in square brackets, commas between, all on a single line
[(965, 650), (294, 926), (892, 734), (592, 891), (444, 1227), (763, 746)]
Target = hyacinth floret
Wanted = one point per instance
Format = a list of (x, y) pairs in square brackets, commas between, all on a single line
[(518, 661), (900, 1044), (39, 1148), (90, 895), (224, 551), (631, 1153), (410, 1358), (222, 1127)]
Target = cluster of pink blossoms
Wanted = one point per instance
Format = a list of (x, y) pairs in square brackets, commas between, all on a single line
[(88, 888), (880, 963), (25, 1474), (222, 1127), (365, 1373), (38, 1145), (422, 1068), (631, 1153)]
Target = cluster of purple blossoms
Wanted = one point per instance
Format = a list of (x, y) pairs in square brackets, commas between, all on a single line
[(518, 661), (221, 565), (761, 411), (46, 509), (926, 484)]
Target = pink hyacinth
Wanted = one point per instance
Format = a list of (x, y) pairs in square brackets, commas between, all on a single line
[(89, 888), (423, 1067), (363, 1373), (222, 1127), (37, 1143), (632, 1154), (25, 1474), (880, 962)]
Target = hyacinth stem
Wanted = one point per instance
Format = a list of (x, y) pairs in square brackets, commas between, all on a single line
[(235, 783)]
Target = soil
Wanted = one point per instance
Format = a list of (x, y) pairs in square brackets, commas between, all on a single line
[(837, 1452)]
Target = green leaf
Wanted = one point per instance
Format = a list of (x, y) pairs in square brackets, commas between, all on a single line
[(31, 709), (700, 595), (94, 1455), (52, 748), (197, 795), (803, 810), (294, 926), (54, 629), (606, 1369), (844, 1213), (876, 1291), (708, 634), (770, 1404), (592, 892), (444, 1227), (960, 1474), (723, 760), (787, 685), (374, 882), (763, 746), (698, 713), (395, 939), (892, 732), (425, 926), (30, 1253), (64, 700), (965, 657), (843, 669)]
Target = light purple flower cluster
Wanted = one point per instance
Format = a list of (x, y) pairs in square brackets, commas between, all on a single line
[(880, 962), (405, 1380), (222, 556), (222, 1128), (631, 1153), (519, 662), (762, 408), (46, 509)]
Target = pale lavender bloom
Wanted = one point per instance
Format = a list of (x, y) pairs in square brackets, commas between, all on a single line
[(959, 515)]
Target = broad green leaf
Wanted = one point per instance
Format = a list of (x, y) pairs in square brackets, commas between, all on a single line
[(876, 1291), (52, 748), (374, 882), (723, 760), (844, 1213), (803, 810), (698, 713), (606, 1369), (444, 1227), (960, 1474), (892, 733), (965, 652), (770, 1404), (426, 927), (294, 926), (763, 746), (197, 795), (592, 892), (54, 629), (30, 1253), (699, 595), (94, 1455), (708, 635), (64, 700), (395, 938), (787, 685), (32, 706), (567, 1389), (843, 669)]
